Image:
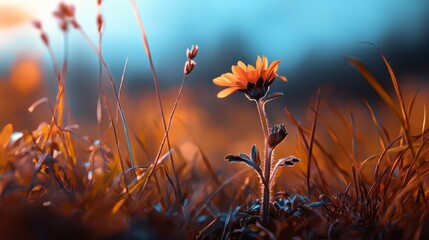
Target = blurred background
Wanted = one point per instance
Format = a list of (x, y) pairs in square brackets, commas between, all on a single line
[(310, 37)]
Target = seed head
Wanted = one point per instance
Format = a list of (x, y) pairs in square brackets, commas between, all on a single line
[(65, 14), (44, 38), (189, 66), (37, 24), (191, 54), (100, 23), (66, 10)]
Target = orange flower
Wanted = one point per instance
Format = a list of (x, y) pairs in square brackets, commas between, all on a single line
[(253, 81)]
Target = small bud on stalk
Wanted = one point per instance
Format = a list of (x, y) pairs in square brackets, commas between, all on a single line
[(37, 24), (189, 66), (44, 38), (191, 54), (277, 134), (66, 10), (100, 23)]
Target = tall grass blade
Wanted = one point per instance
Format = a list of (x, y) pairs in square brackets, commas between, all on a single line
[(376, 85), (310, 147), (155, 80)]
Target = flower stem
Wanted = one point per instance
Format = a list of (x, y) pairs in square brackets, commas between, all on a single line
[(267, 163)]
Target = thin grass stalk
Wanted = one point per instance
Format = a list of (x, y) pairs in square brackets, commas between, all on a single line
[(156, 83), (117, 142), (64, 104), (216, 192), (380, 136), (100, 73), (112, 83), (412, 102), (406, 120), (333, 135), (343, 173), (206, 228), (58, 76), (402, 195), (121, 86), (423, 123), (377, 178), (310, 147), (57, 120), (316, 164), (60, 104), (415, 161), (395, 164), (165, 138), (64, 73), (421, 224), (397, 90), (353, 162)]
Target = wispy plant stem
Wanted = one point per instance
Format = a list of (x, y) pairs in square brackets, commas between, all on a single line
[(121, 113), (165, 138), (311, 144), (156, 83), (266, 162)]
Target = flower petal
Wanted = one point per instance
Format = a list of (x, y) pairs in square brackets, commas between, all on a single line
[(226, 92), (282, 78), (270, 73), (239, 73), (222, 81), (242, 65), (265, 62), (259, 65), (252, 77)]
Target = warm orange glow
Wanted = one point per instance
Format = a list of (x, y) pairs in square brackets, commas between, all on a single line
[(25, 75), (12, 15), (88, 158)]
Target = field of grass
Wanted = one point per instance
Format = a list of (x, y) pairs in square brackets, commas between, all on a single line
[(359, 170)]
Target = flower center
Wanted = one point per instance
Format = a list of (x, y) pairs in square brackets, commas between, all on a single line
[(258, 90)]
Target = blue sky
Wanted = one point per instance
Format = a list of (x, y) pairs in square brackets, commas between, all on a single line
[(280, 29)]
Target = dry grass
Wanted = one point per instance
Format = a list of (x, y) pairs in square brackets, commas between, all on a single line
[(363, 175)]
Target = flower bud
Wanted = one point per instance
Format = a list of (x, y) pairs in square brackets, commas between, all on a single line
[(100, 23), (44, 38), (58, 14), (277, 134), (189, 66), (37, 24), (191, 54), (67, 10)]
